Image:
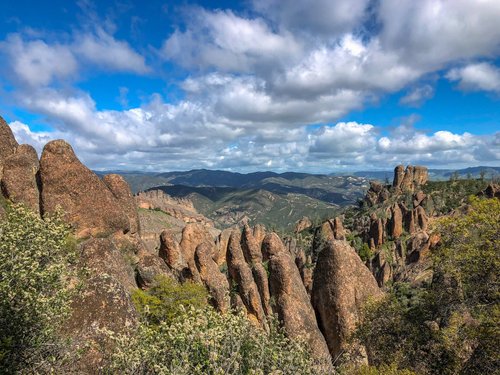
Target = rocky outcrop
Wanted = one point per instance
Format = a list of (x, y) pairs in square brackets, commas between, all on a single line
[(303, 224), (376, 232), (293, 305), (491, 191), (171, 253), (241, 275), (253, 256), (259, 232), (89, 205), (180, 208), (215, 281), (396, 222), (342, 284), (20, 177), (412, 177), (101, 256), (222, 242), (8, 143), (149, 268), (121, 190), (193, 235)]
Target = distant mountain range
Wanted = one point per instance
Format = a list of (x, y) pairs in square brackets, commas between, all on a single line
[(275, 199)]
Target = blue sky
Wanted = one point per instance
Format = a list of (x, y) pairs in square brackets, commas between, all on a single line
[(305, 85)]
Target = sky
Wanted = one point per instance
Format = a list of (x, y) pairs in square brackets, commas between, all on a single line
[(286, 85)]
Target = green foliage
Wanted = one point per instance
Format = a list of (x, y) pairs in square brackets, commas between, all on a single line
[(166, 298), (451, 325), (35, 260), (206, 342), (365, 253)]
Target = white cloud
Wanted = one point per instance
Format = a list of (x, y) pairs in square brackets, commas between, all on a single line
[(417, 96), (476, 77), (37, 63), (104, 50)]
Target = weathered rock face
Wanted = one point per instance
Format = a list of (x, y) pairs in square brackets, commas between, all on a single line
[(8, 143), (100, 256), (376, 231), (253, 256), (292, 301), (121, 190), (342, 283), (182, 209), (149, 267), (103, 303), (194, 234), (214, 280), (259, 232), (396, 222), (241, 274), (411, 178), (222, 243), (89, 205), (491, 191), (303, 224), (20, 177), (171, 252)]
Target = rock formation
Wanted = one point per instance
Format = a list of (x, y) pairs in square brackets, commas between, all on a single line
[(411, 178), (193, 235), (293, 305), (241, 275), (303, 224), (89, 205), (342, 283), (8, 143), (20, 177), (253, 256), (215, 281), (121, 190)]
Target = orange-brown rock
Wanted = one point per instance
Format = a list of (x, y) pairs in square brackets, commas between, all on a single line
[(104, 303), (293, 305), (396, 222), (377, 231), (399, 173), (241, 274), (342, 284), (8, 143), (303, 224), (259, 232), (194, 234), (89, 205), (420, 176), (121, 190), (222, 242), (418, 198), (171, 252), (253, 255), (491, 191), (101, 256), (149, 267), (214, 280), (337, 228), (20, 177), (421, 218)]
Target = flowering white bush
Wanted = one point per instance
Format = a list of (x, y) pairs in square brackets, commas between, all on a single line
[(206, 342), (35, 258)]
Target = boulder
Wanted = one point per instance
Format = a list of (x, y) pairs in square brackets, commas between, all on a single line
[(337, 228), (253, 256), (399, 173), (241, 274), (194, 234), (396, 222), (303, 224), (418, 198), (101, 256), (8, 143), (20, 177), (342, 284), (214, 280), (293, 304), (87, 202), (171, 253), (377, 231), (149, 267), (222, 242), (421, 218), (121, 190)]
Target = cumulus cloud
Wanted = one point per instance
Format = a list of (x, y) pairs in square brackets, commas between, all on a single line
[(477, 77), (266, 88), (37, 62)]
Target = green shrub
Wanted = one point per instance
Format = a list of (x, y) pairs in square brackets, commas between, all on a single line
[(164, 300), (35, 260), (451, 325), (206, 342)]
